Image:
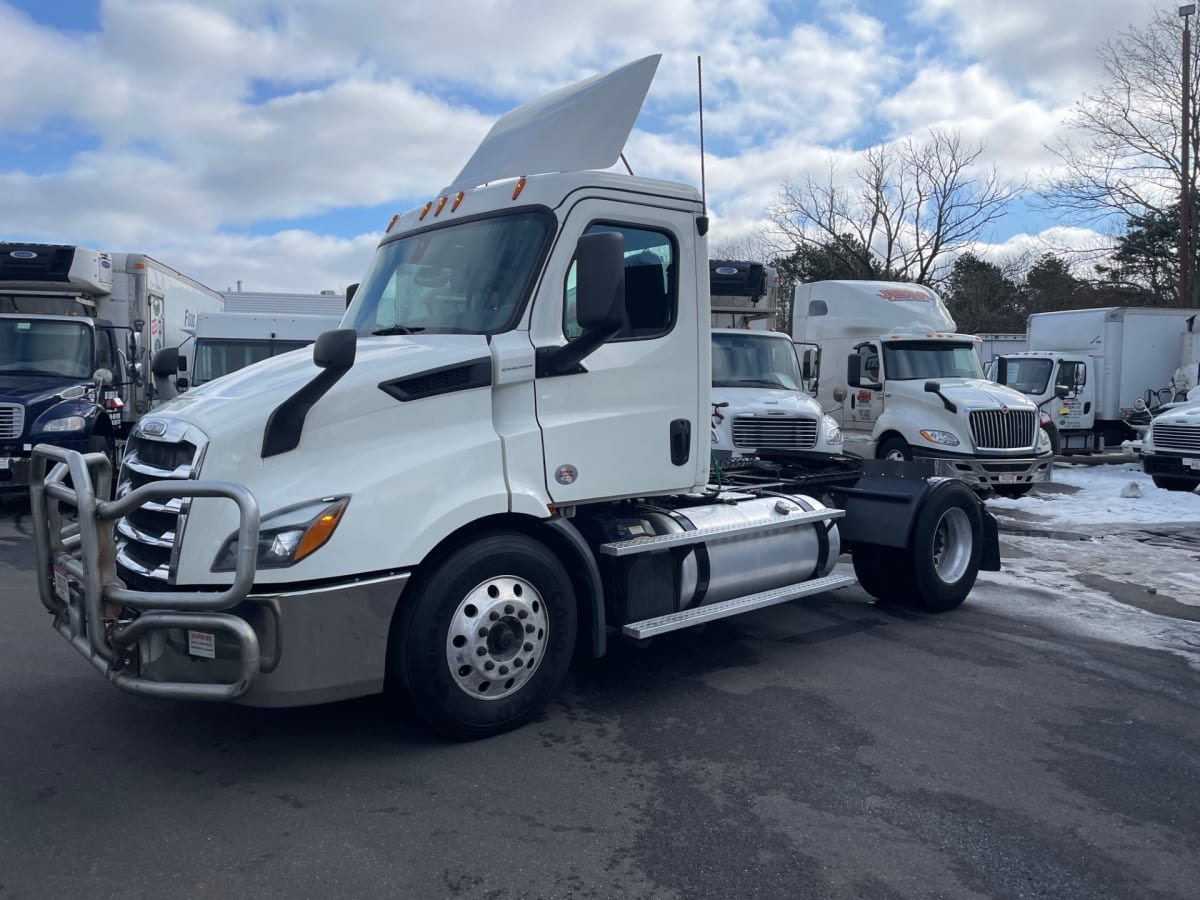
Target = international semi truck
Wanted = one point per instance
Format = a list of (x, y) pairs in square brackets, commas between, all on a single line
[(77, 329), (905, 385), (502, 459)]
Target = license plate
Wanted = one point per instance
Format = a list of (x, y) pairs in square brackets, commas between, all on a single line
[(1007, 479), (1192, 463), (61, 586), (202, 643)]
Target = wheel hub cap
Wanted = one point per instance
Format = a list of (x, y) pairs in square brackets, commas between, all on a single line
[(497, 637)]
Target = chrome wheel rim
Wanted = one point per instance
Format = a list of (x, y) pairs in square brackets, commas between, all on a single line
[(952, 545), (497, 638)]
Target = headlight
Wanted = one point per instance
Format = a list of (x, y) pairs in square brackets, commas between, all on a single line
[(1043, 442), (939, 437), (67, 423), (833, 431), (289, 535)]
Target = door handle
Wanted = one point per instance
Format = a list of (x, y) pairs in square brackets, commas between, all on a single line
[(681, 441)]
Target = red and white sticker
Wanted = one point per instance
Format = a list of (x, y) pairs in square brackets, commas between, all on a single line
[(202, 643)]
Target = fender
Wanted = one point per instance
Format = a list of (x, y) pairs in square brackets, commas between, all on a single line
[(564, 529)]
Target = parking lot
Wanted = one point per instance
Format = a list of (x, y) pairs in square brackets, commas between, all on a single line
[(1041, 741)]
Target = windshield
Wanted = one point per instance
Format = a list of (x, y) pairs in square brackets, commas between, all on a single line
[(1029, 376), (912, 360), (472, 277), (46, 347), (745, 360), (217, 358)]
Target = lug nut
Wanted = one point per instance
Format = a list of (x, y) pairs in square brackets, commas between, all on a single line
[(504, 670), (489, 665), (494, 616), (528, 646), (523, 614), (483, 632), (482, 651)]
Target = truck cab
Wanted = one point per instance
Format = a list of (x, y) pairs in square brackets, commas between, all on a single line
[(914, 388)]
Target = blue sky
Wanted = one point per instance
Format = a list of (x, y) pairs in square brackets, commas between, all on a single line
[(269, 141)]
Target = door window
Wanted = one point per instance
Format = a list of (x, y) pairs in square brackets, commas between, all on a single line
[(651, 292)]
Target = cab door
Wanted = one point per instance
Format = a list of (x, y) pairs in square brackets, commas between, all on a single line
[(866, 400), (1077, 410), (627, 421)]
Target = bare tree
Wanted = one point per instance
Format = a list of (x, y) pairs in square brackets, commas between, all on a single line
[(1120, 165), (906, 210)]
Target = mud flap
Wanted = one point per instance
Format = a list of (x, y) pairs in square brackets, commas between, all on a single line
[(989, 560)]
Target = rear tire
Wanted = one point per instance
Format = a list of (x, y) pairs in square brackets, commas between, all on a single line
[(486, 637), (1172, 483)]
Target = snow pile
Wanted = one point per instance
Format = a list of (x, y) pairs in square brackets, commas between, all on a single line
[(1101, 495)]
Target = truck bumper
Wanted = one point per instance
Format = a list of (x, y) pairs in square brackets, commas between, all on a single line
[(990, 472), (1171, 465), (14, 470), (232, 644)]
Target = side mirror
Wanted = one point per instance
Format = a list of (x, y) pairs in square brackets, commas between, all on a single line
[(335, 349), (1001, 370), (102, 377), (1062, 391), (600, 282), (350, 292), (933, 387), (806, 367), (182, 363), (165, 363), (181, 384), (854, 370), (839, 394)]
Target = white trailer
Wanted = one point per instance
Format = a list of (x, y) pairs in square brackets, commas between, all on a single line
[(744, 294), (501, 459), (1089, 368), (281, 303), (226, 342), (914, 389), (77, 330)]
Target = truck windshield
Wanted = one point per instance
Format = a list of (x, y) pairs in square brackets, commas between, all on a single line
[(911, 360), (45, 347), (472, 277), (215, 358), (747, 360), (1029, 376)]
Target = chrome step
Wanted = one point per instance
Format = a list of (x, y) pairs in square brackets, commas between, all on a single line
[(700, 535), (688, 617)]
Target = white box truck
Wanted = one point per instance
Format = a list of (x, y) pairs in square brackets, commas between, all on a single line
[(77, 329), (500, 460), (1089, 368), (744, 294), (283, 303), (914, 389)]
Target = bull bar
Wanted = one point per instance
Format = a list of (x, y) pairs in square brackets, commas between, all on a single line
[(89, 615)]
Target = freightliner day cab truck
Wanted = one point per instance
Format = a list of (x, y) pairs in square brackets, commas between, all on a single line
[(914, 388), (77, 328), (1094, 370), (501, 459)]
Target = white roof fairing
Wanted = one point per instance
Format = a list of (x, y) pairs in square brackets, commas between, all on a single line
[(582, 126)]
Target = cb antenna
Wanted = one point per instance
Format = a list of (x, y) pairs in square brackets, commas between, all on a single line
[(700, 92)]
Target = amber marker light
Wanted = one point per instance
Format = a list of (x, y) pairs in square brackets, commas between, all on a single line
[(425, 211), (458, 200), (320, 530), (441, 205), (520, 187), (391, 222)]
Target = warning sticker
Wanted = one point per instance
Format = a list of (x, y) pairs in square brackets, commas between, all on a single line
[(202, 643)]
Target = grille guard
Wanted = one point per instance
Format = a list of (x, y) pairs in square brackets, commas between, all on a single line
[(85, 551)]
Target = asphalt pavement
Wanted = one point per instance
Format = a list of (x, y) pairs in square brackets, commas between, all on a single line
[(828, 747)]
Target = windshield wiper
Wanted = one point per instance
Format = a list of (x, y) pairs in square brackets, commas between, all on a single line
[(398, 329)]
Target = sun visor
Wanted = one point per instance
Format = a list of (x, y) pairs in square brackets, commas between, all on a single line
[(582, 126)]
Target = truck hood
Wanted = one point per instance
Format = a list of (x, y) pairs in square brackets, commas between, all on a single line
[(978, 393), (243, 400), (1183, 415), (765, 402), (29, 389)]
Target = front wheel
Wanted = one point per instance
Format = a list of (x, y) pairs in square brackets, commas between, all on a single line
[(1170, 483), (487, 637), (895, 449)]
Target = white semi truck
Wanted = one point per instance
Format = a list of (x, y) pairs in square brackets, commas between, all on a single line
[(77, 330), (1094, 370), (914, 388), (501, 459)]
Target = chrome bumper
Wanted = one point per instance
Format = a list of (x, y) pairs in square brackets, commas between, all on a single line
[(988, 472), (223, 645)]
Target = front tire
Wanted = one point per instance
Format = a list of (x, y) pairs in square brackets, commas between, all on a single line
[(1170, 483), (487, 636), (895, 449)]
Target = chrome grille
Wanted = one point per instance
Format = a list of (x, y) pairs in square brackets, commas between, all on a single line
[(147, 537), (761, 433), (12, 421), (1177, 437), (994, 429)]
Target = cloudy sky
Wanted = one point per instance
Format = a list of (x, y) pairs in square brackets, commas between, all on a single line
[(269, 141)]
